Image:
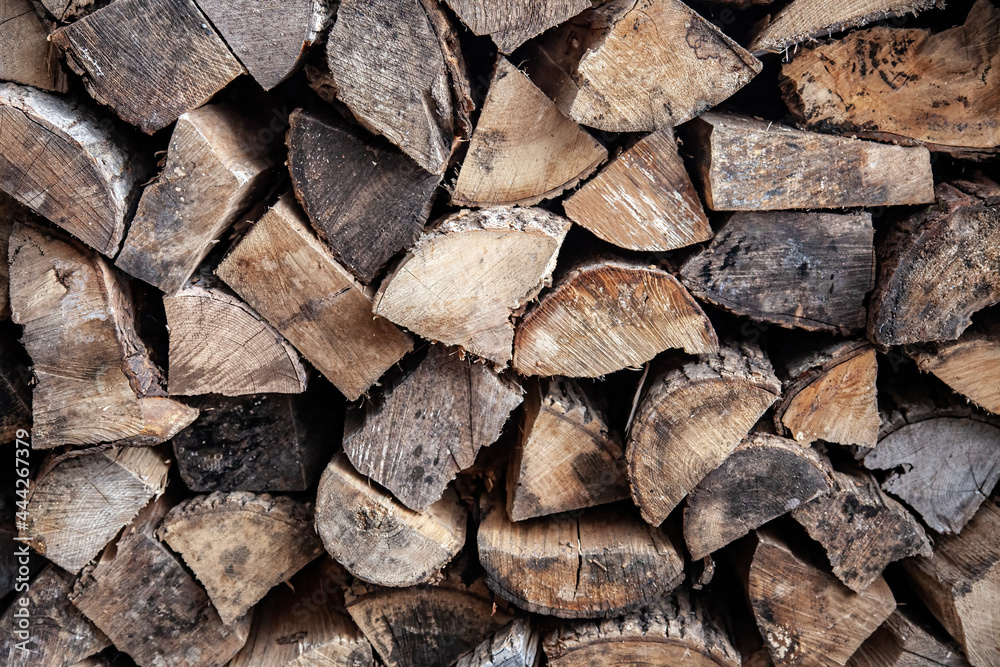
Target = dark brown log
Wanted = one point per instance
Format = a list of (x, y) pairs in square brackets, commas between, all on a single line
[(27, 56), (15, 396), (511, 24), (902, 641), (514, 646), (969, 365)]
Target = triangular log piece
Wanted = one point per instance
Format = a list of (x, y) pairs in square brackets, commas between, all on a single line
[(903, 641), (514, 646), (28, 58), (511, 24), (969, 365)]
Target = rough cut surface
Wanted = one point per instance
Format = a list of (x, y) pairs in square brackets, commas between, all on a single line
[(27, 57), (514, 646), (969, 365), (904, 641), (510, 22)]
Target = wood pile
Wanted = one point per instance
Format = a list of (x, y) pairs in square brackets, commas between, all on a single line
[(489, 333)]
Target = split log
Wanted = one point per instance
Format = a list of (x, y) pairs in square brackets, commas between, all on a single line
[(904, 642), (937, 267), (524, 149), (567, 457), (148, 88), (219, 345), (56, 635), (630, 66), (59, 159), (748, 164), (80, 500), (810, 271), (284, 273), (461, 283), (398, 68), (644, 200), (678, 630), (861, 529), (288, 29), (511, 24), (601, 562), (69, 10), (764, 478), (514, 646), (78, 314), (831, 396), (969, 365), (379, 540), (241, 545), (419, 432), (959, 585), (803, 612), (27, 56), (606, 315), (690, 419), (140, 596), (898, 84), (366, 200), (15, 396), (216, 168)]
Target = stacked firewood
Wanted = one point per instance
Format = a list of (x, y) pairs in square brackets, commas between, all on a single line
[(497, 333)]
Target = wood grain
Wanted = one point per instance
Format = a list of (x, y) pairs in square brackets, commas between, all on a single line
[(27, 57), (511, 24)]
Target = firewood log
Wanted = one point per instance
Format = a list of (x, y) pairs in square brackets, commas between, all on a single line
[(643, 200), (15, 395), (690, 419), (524, 149), (177, 65), (631, 66), (78, 314), (959, 584), (379, 540), (862, 529), (143, 599), (606, 315), (937, 267), (765, 477), (70, 10), (58, 158), (461, 283), (514, 646), (28, 58), (969, 365), (511, 24), (366, 200), (284, 273), (417, 434), (216, 168), (903, 84), (80, 500), (748, 164), (240, 545), (567, 456), (902, 641)]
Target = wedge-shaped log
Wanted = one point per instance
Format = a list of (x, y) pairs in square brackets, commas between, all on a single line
[(461, 283), (514, 646), (969, 365), (368, 532), (176, 62), (417, 434), (764, 478), (749, 164), (606, 315), (511, 24), (644, 200), (78, 314), (366, 200), (807, 270), (690, 419), (904, 641), (28, 58), (637, 66), (60, 159), (284, 273)]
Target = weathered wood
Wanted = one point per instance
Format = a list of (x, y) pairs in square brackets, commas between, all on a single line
[(806, 270), (27, 57), (80, 500), (969, 365), (804, 613), (748, 164), (913, 84), (861, 529), (215, 169), (937, 267), (765, 477), (140, 78), (284, 273), (366, 200), (95, 381), (606, 315), (15, 395), (70, 10), (461, 283), (514, 646), (58, 158), (524, 149), (241, 545), (378, 539), (511, 24), (902, 641), (421, 431), (637, 66), (690, 419), (398, 68), (643, 200), (567, 456), (601, 562)]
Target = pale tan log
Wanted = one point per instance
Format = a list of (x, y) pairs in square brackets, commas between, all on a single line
[(512, 23), (27, 57), (969, 365)]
